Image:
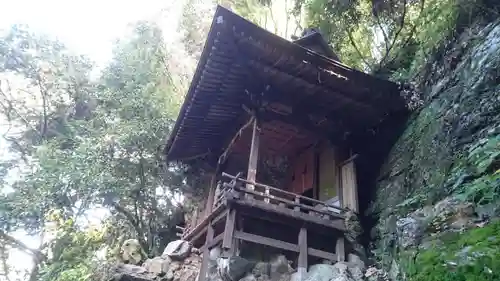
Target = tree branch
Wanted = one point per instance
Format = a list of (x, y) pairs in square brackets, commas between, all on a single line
[(39, 256), (401, 26), (413, 30), (351, 39)]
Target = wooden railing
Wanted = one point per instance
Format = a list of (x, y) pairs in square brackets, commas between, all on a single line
[(275, 196), (240, 188)]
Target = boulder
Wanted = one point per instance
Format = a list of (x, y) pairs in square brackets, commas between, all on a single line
[(131, 252), (341, 271), (356, 261), (262, 269), (177, 250), (279, 265), (410, 231), (233, 268), (157, 265), (122, 272)]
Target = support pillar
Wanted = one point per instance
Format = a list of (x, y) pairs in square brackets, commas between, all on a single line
[(228, 245), (211, 195), (302, 261), (202, 276), (253, 159), (340, 249)]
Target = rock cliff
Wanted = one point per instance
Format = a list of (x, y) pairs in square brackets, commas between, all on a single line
[(438, 194)]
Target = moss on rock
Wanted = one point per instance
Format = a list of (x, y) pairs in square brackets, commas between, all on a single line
[(470, 256), (451, 148)]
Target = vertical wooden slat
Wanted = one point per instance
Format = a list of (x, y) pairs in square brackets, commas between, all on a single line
[(349, 186), (297, 201), (253, 159), (211, 195), (228, 246), (206, 253), (340, 249), (302, 262)]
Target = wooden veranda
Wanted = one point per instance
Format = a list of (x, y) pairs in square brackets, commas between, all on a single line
[(256, 99)]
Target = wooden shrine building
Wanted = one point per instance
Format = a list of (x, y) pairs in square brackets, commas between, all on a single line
[(274, 120)]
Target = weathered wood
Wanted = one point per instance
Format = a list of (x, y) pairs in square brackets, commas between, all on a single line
[(302, 262), (291, 194), (203, 224), (223, 156), (254, 155), (340, 249), (211, 193), (322, 254), (217, 239), (266, 241), (350, 159), (296, 203), (257, 239), (204, 263), (332, 224), (349, 187), (227, 242)]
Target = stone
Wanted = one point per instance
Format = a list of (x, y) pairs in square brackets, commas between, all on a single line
[(177, 250), (279, 265), (409, 231), (249, 277), (375, 274), (353, 226), (214, 253), (131, 272), (262, 269), (131, 252), (340, 271), (233, 268), (157, 265), (356, 261), (394, 272)]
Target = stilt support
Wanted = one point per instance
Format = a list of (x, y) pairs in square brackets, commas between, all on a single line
[(228, 245), (206, 253), (302, 262), (340, 249)]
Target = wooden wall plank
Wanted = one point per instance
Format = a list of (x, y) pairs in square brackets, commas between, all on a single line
[(302, 262)]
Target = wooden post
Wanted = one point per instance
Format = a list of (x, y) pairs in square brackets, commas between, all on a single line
[(228, 247), (211, 194), (349, 186), (302, 262), (340, 249), (253, 159), (202, 276)]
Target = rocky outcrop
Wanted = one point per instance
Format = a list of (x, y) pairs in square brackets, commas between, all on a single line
[(181, 262), (438, 197)]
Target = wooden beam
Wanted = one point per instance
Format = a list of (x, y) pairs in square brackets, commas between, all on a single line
[(253, 159), (266, 241), (302, 123), (322, 254), (195, 232), (211, 193), (340, 248), (299, 216), (228, 246), (284, 192), (206, 255), (302, 262), (236, 137), (217, 239), (349, 186)]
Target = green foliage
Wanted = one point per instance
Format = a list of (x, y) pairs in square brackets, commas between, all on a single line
[(470, 256), (81, 144), (482, 164)]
